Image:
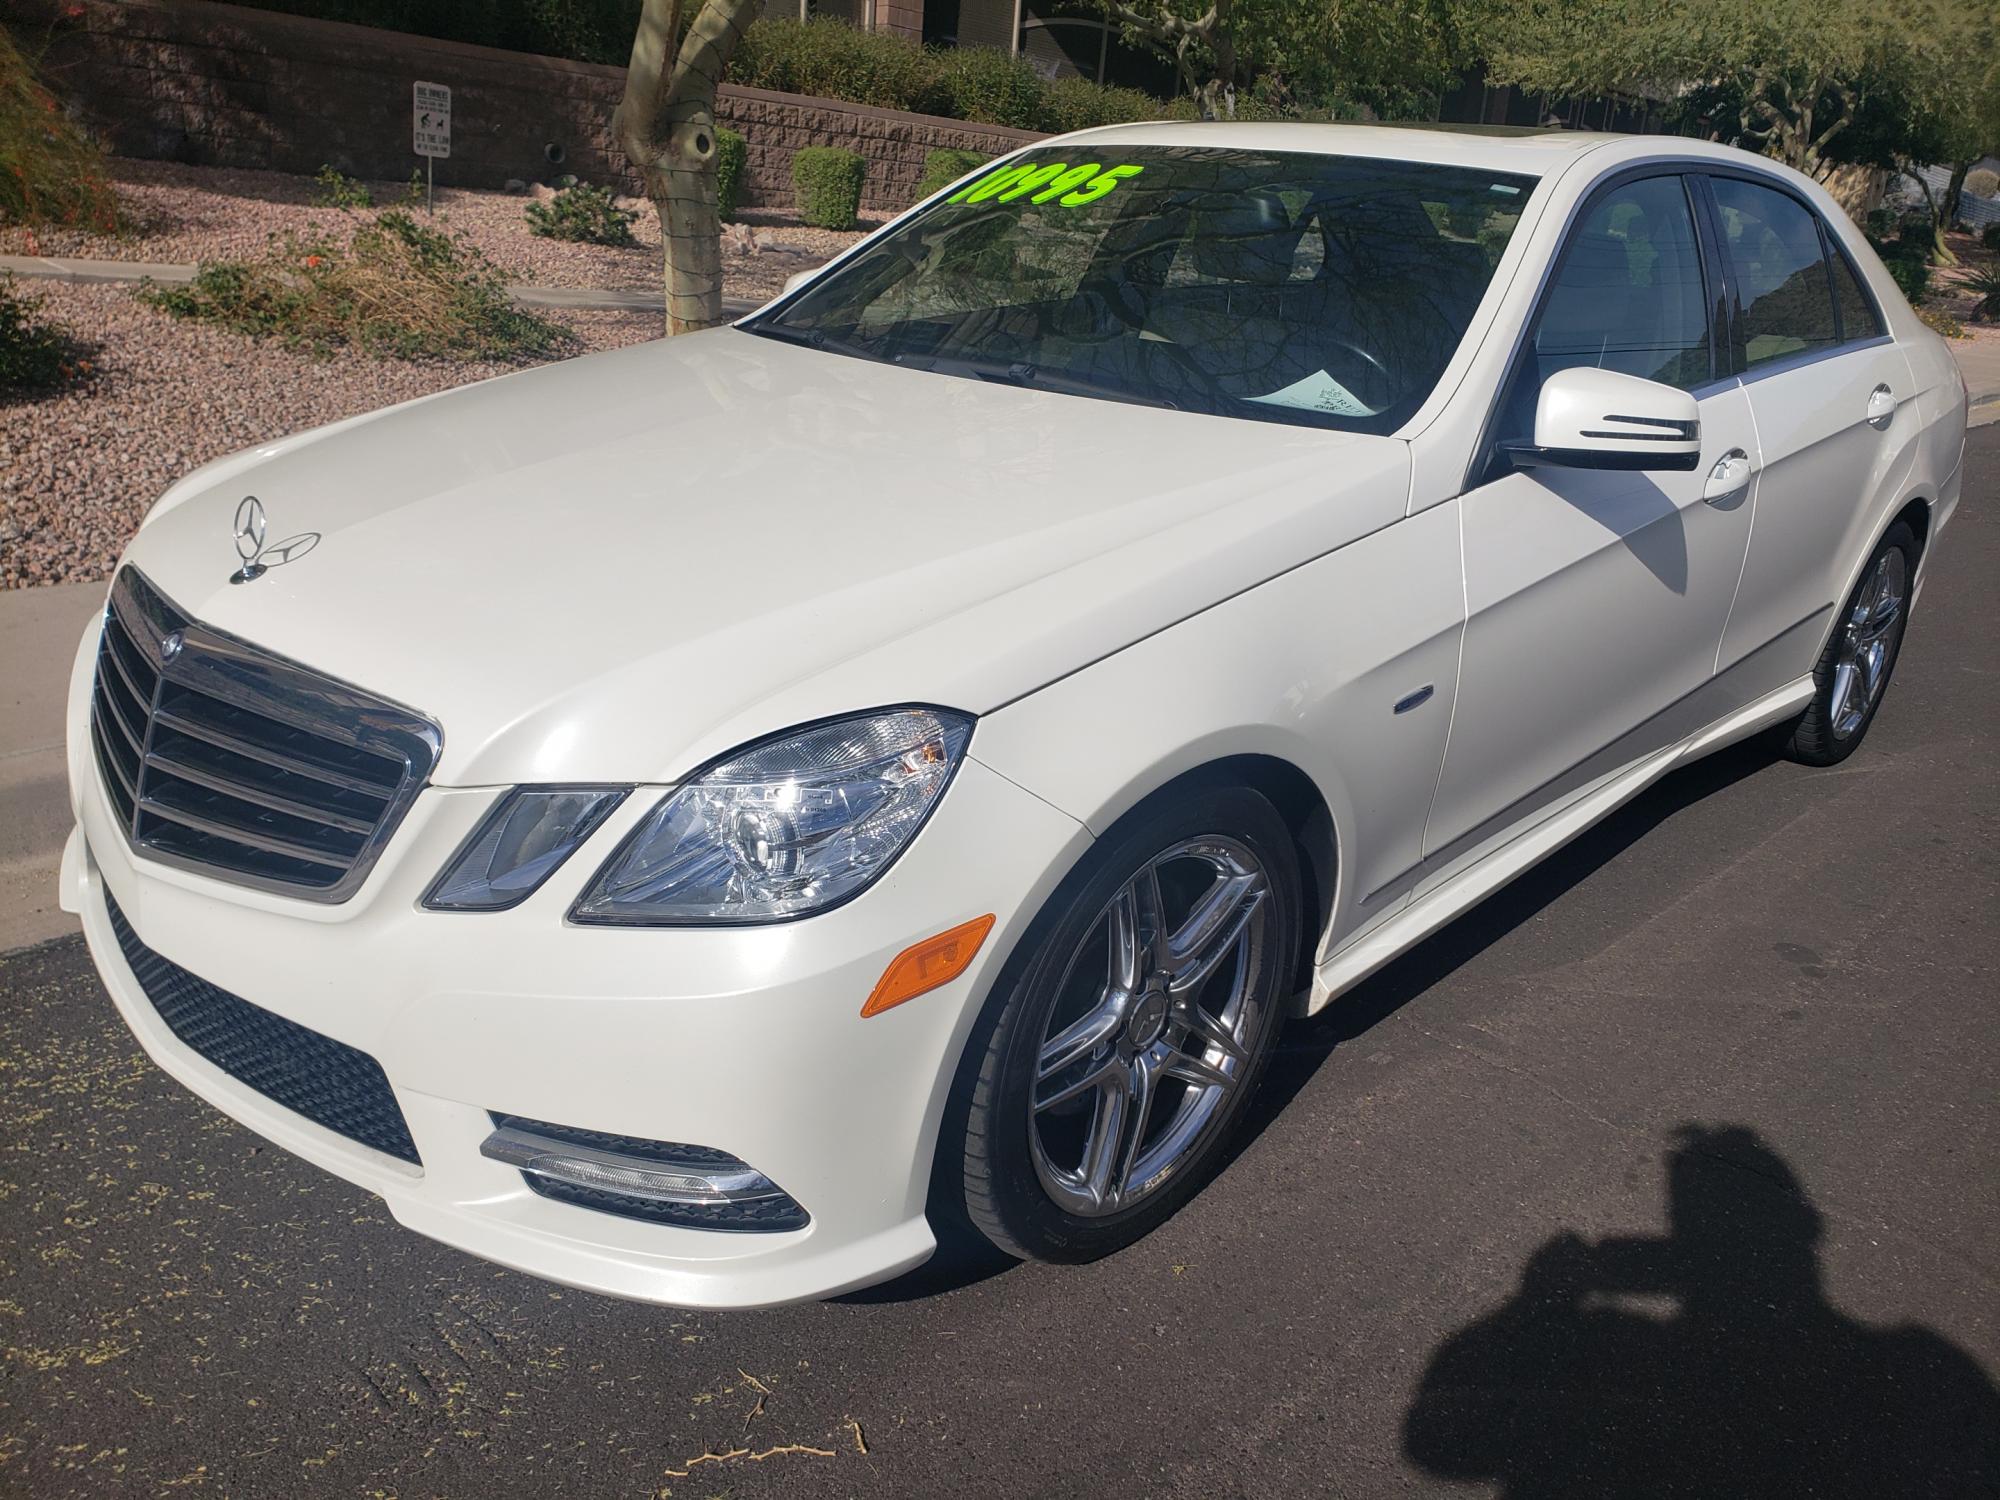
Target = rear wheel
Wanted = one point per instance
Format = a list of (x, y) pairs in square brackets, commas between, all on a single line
[(1103, 1086), (1853, 671)]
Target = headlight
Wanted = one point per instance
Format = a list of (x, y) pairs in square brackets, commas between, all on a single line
[(785, 828), (522, 842)]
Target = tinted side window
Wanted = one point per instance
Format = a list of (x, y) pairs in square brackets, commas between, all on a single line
[(1772, 242), (1858, 318), (1628, 291)]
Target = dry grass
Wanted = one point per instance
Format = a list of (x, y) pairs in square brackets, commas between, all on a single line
[(49, 173), (395, 288)]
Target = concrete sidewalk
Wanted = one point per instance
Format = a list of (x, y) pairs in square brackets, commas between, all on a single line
[(85, 271), (39, 629), (1979, 359)]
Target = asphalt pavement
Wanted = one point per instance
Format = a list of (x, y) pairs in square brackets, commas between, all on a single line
[(1669, 1171)]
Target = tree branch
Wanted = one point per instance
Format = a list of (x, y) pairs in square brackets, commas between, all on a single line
[(648, 82)]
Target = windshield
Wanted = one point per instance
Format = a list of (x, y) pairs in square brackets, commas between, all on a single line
[(1328, 291)]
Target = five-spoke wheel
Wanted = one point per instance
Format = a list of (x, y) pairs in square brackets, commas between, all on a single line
[(1854, 669), (1874, 621), (1134, 1023), (1152, 1032)]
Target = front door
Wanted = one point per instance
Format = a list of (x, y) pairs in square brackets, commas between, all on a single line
[(1596, 598)]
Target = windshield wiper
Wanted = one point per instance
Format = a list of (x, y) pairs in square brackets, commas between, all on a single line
[(810, 338), (1022, 373)]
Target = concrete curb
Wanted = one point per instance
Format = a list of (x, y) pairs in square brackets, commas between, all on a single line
[(83, 271), (59, 268), (39, 629)]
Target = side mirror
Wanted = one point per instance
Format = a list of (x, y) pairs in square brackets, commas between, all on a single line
[(796, 280), (1599, 419)]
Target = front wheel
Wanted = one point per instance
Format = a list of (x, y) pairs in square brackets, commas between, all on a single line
[(1106, 1080), (1854, 669)]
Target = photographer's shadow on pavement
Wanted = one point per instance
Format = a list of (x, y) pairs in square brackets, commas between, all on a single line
[(1705, 1364)]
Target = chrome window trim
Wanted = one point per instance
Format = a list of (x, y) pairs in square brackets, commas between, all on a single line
[(233, 670)]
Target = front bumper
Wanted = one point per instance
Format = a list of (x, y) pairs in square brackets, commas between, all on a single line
[(747, 1040)]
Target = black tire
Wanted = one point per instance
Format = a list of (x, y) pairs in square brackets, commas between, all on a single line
[(1828, 732), (996, 1188)]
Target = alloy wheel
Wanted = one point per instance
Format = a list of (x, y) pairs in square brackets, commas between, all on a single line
[(1156, 1021), (1861, 662)]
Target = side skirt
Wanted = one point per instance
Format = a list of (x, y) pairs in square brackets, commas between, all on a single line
[(1434, 908)]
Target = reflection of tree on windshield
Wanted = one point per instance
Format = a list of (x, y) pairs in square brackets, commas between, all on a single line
[(1705, 1363), (1288, 287)]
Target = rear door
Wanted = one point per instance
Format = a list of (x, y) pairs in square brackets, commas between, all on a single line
[(1826, 386), (1595, 598)]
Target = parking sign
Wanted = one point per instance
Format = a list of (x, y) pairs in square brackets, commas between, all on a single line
[(431, 119)]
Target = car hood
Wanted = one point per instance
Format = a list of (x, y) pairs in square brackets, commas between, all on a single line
[(616, 568)]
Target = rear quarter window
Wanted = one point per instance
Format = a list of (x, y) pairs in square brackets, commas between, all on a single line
[(1782, 286)]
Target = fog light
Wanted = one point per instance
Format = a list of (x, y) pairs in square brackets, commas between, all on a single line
[(692, 1186)]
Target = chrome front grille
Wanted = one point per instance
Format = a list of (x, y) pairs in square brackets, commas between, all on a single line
[(223, 758)]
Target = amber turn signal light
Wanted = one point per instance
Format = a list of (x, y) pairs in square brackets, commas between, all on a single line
[(924, 966)]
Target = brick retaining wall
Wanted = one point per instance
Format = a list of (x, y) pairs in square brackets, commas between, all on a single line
[(191, 80)]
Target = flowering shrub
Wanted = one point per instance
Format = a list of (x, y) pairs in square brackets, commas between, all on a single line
[(49, 173)]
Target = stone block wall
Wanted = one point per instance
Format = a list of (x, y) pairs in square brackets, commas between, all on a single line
[(192, 80)]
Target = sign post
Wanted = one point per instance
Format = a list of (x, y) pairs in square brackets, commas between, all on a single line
[(430, 122)]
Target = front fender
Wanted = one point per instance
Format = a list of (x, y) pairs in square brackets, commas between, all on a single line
[(1307, 668)]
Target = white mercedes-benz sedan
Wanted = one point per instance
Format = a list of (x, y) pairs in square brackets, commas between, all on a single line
[(698, 822)]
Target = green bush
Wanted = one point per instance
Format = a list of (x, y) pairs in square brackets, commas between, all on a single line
[(946, 166), (827, 182), (34, 355), (50, 174), (1912, 272), (834, 60), (585, 214), (336, 190), (1990, 236), (1078, 104), (986, 85), (732, 154), (395, 289), (1984, 183)]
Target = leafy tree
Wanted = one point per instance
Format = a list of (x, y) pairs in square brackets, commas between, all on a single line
[(1298, 53), (1809, 82), (666, 125)]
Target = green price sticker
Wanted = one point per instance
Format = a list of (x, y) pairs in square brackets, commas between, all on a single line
[(1042, 182)]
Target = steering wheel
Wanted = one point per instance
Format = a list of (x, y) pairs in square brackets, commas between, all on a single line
[(1366, 356)]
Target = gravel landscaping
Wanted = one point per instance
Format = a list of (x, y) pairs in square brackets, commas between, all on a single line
[(184, 215), (78, 469)]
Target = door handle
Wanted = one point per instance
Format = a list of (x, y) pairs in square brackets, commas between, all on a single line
[(1881, 408), (1729, 476)]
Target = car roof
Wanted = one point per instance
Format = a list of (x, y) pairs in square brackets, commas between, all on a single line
[(1487, 147)]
